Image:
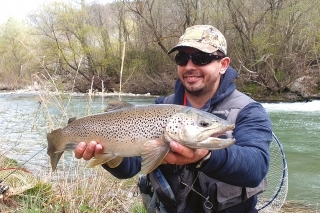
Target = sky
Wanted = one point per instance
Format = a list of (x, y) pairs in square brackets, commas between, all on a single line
[(18, 9)]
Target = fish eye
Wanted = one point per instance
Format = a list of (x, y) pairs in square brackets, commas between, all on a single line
[(204, 123)]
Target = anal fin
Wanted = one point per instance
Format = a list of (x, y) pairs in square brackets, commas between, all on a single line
[(101, 159), (113, 163)]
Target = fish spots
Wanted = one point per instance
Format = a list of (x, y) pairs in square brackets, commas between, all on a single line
[(130, 125), (124, 132)]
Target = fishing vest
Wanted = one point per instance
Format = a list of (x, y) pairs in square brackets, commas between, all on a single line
[(216, 195)]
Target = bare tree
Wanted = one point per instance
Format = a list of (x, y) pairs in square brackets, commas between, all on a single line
[(268, 43), (272, 43)]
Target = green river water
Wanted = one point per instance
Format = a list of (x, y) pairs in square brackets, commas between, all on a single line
[(25, 119)]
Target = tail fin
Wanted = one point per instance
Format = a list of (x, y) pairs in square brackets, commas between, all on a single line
[(54, 159), (52, 151)]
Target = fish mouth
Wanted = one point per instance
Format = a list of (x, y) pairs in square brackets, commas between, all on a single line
[(223, 133)]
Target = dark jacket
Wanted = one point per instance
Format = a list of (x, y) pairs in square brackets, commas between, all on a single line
[(244, 164)]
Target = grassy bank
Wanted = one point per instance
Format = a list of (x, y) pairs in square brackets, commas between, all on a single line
[(75, 189), (298, 207), (78, 189)]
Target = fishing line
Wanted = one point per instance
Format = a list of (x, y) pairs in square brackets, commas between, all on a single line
[(4, 153), (26, 124), (3, 188)]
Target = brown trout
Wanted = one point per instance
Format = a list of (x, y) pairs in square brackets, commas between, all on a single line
[(129, 131)]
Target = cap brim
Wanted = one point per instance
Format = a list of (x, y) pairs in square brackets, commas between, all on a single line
[(197, 45)]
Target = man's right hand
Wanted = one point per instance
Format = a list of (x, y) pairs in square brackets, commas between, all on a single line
[(88, 151)]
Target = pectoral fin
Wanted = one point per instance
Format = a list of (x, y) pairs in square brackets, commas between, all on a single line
[(101, 159), (153, 154)]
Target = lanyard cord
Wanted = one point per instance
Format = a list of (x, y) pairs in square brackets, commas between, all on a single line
[(207, 203)]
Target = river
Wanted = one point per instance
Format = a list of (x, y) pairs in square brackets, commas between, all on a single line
[(25, 119)]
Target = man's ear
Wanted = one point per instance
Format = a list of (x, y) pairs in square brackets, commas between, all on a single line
[(224, 64)]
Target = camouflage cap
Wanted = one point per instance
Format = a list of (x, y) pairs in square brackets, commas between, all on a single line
[(205, 38)]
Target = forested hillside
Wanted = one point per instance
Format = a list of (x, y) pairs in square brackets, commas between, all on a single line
[(274, 45)]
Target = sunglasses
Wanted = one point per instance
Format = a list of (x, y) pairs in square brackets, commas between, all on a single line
[(199, 59)]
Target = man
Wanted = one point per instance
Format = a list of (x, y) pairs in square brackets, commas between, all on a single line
[(226, 180)]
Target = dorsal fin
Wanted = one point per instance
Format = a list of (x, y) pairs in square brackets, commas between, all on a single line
[(72, 119), (114, 105)]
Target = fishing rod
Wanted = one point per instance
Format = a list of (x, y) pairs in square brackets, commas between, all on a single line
[(4, 188)]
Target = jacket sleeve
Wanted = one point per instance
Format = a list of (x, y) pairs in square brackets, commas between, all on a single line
[(247, 162), (159, 100)]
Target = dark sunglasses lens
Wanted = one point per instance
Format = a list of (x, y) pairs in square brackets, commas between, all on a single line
[(201, 59), (182, 59), (198, 59)]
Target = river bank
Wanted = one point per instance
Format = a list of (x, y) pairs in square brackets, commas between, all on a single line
[(289, 98)]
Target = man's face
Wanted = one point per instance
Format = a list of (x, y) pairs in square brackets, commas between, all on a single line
[(202, 79)]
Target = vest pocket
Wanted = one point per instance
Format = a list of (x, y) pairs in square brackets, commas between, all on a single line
[(257, 190), (223, 195)]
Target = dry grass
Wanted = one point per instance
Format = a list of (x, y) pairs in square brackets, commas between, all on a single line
[(298, 207), (76, 189), (94, 190)]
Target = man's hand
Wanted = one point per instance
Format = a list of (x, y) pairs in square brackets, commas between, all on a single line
[(182, 155), (88, 151)]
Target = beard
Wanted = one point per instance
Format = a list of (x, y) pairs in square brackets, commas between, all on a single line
[(195, 92), (203, 87), (201, 90)]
